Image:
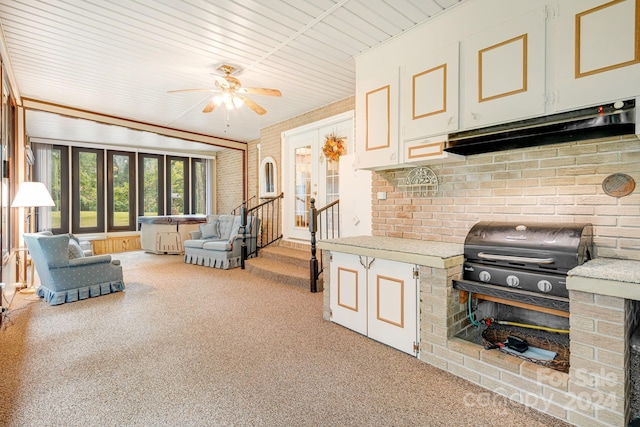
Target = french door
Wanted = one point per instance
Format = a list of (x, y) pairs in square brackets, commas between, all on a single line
[(308, 174)]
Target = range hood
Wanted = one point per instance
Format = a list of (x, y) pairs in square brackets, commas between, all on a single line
[(614, 119)]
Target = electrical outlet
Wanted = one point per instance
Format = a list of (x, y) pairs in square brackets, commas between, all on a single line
[(1, 285)]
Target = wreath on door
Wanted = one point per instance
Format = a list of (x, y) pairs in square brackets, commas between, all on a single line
[(334, 147)]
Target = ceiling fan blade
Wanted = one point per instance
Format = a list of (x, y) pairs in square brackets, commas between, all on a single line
[(252, 104), (209, 107), (261, 91), (193, 90)]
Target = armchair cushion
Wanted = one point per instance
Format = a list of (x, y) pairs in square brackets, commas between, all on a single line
[(210, 230), (75, 250)]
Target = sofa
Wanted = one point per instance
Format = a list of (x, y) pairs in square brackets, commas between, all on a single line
[(66, 273), (218, 242)]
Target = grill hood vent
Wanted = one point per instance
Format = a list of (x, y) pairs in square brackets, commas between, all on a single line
[(587, 123)]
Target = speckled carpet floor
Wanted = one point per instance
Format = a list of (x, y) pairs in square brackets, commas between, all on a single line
[(186, 345)]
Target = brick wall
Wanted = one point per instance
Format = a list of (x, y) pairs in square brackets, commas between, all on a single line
[(252, 172), (228, 180), (554, 183)]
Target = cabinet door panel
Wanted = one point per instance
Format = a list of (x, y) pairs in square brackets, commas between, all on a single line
[(392, 300), (429, 94), (348, 296), (377, 122), (597, 52), (505, 72)]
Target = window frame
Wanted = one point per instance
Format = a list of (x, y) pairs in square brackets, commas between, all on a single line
[(110, 191), (194, 162), (75, 189), (186, 205)]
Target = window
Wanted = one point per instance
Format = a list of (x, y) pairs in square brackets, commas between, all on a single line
[(51, 167), (121, 191), (151, 184), (199, 186), (164, 187), (88, 190), (268, 174), (177, 185)]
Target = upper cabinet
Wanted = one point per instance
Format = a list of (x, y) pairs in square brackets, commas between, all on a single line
[(377, 121), (487, 63), (597, 52), (429, 94), (504, 71)]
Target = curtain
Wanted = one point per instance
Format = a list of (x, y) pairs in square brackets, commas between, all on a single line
[(42, 173)]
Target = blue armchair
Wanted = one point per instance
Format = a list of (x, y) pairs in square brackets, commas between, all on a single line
[(66, 280)]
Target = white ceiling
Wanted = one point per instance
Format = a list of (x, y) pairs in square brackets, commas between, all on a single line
[(120, 57)]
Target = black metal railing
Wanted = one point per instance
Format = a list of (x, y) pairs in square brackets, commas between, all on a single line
[(327, 229), (246, 204), (269, 213)]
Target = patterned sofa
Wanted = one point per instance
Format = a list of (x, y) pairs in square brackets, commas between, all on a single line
[(66, 273), (218, 242)]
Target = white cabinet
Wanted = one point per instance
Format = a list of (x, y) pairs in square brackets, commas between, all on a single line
[(504, 71), (377, 298), (597, 52), (377, 122), (429, 94)]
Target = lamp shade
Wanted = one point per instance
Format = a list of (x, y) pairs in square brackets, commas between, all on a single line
[(32, 194)]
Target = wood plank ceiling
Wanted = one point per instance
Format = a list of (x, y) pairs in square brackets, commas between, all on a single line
[(120, 58)]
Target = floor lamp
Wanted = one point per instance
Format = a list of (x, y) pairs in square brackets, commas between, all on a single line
[(31, 195)]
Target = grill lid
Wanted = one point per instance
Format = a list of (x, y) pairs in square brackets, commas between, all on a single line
[(530, 245)]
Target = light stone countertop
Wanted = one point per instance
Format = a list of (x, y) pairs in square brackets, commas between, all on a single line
[(420, 252), (607, 276)]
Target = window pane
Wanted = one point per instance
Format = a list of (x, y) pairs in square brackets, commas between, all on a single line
[(151, 186), (121, 193), (88, 165), (177, 187), (200, 187), (268, 178)]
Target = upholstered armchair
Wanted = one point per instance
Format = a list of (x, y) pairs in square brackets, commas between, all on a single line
[(67, 275)]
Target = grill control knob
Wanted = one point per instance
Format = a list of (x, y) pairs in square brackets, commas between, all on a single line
[(545, 286), (484, 276), (513, 281)]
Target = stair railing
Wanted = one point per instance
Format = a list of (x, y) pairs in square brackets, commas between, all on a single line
[(245, 204), (269, 213), (329, 229)]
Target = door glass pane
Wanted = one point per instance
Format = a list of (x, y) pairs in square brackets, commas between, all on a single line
[(200, 187), (151, 186), (121, 191), (302, 185), (177, 186), (88, 165), (332, 193)]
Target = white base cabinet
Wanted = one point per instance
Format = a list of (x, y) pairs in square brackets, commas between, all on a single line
[(377, 298)]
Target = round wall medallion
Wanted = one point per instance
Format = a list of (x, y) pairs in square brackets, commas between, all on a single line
[(618, 185)]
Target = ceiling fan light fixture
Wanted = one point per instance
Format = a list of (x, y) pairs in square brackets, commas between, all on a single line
[(237, 101), (217, 99)]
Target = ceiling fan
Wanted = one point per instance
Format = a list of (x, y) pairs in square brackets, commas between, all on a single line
[(231, 94)]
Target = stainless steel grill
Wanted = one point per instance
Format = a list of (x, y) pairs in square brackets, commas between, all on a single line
[(524, 262)]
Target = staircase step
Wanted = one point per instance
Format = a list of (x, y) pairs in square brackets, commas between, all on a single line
[(290, 256), (280, 272)]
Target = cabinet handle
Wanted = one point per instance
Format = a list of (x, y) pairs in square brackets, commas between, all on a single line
[(451, 120), (474, 116), (393, 156)]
